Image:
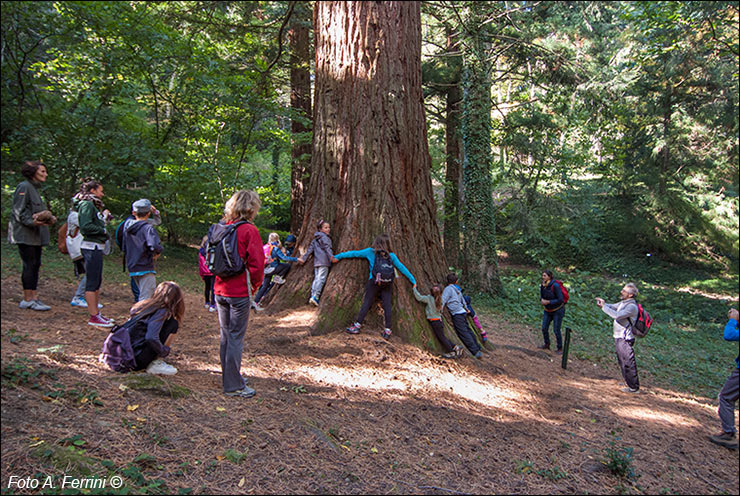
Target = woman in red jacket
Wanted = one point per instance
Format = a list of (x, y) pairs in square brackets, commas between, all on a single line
[(233, 293)]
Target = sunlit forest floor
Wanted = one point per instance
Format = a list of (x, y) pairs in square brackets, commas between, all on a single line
[(337, 413)]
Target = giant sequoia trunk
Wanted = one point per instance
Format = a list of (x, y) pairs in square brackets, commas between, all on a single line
[(370, 169)]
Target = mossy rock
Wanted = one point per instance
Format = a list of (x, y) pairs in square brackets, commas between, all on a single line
[(155, 384)]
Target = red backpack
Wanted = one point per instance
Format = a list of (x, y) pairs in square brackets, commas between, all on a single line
[(642, 325), (564, 289)]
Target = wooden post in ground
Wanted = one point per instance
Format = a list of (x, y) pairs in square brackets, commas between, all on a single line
[(566, 347)]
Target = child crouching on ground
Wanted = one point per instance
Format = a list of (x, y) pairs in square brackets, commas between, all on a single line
[(149, 333)]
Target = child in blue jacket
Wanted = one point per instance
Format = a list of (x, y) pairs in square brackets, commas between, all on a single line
[(382, 263)]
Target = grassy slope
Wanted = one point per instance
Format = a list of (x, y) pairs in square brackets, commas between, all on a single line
[(684, 349)]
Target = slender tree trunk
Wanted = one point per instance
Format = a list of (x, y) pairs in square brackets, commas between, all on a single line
[(451, 231), (480, 268), (370, 168), (300, 102)]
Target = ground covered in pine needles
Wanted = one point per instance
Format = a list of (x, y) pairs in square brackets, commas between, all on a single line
[(336, 414)]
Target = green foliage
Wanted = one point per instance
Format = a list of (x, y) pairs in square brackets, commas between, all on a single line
[(619, 459), (163, 100), (22, 371)]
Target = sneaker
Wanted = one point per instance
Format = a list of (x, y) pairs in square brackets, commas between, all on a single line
[(630, 390), (256, 307), (247, 392), (354, 328), (559, 351), (484, 338), (100, 321), (159, 366), (386, 334), (211, 308), (458, 351), (450, 354), (207, 307), (278, 280), (34, 305), (82, 302), (38, 306), (78, 302), (544, 347), (479, 355), (313, 301), (726, 439)]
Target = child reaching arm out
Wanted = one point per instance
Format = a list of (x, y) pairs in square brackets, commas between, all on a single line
[(433, 304)]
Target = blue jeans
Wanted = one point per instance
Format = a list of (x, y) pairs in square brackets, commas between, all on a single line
[(233, 317), (556, 318)]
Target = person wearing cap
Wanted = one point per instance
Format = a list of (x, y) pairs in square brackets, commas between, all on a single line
[(154, 219), (141, 246)]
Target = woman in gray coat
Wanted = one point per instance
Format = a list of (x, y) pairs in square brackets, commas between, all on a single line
[(30, 232)]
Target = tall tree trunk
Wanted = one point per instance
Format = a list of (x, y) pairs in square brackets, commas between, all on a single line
[(370, 168), (300, 103), (451, 231), (480, 268)]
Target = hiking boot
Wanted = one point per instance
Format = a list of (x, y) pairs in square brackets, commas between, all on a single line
[(559, 351), (726, 439), (278, 280), (458, 351), (313, 301), (246, 392), (211, 308), (354, 328), (100, 321), (386, 334), (630, 390), (159, 366), (544, 347)]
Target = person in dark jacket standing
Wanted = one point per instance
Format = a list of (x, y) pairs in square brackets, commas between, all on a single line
[(93, 215), (142, 246), (624, 314), (551, 297), (30, 232)]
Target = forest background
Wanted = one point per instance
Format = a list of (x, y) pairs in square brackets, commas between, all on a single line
[(613, 125)]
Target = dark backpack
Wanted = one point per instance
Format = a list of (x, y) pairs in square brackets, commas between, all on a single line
[(642, 325), (117, 352), (118, 236), (222, 253), (566, 296), (383, 270)]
